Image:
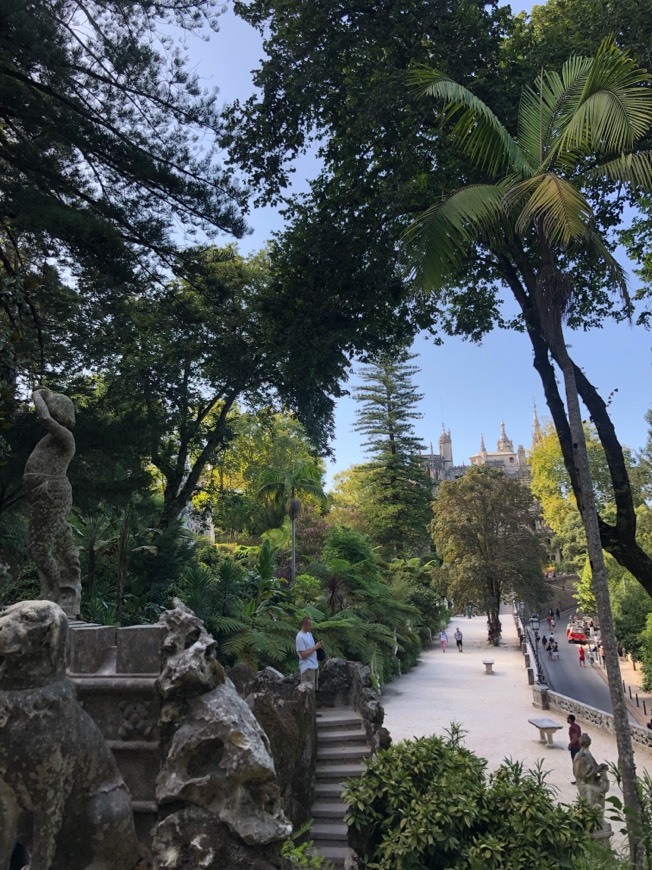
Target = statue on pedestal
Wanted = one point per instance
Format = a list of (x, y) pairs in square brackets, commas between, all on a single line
[(591, 777), (49, 494)]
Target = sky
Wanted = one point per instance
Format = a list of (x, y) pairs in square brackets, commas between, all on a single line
[(467, 389)]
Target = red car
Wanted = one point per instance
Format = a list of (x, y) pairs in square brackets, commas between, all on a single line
[(576, 633)]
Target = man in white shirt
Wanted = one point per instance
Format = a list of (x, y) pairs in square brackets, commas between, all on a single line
[(307, 652)]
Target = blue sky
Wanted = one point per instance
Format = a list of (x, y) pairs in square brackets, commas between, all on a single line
[(469, 389)]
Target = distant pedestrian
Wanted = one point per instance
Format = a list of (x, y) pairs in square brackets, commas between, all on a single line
[(553, 624), (582, 656), (306, 648), (557, 614), (574, 734), (458, 639), (544, 642), (443, 640), (536, 639)]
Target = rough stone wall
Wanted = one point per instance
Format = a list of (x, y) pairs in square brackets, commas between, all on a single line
[(285, 709)]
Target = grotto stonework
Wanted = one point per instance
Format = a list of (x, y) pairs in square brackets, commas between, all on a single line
[(217, 778)]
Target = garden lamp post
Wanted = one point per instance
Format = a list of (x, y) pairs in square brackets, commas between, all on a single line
[(535, 622)]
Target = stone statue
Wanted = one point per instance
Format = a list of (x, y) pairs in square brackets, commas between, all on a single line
[(49, 494), (591, 777), (61, 794)]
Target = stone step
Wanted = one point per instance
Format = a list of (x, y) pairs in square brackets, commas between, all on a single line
[(337, 855), (328, 791), (329, 830), (328, 810), (338, 772), (342, 752), (337, 718), (341, 736)]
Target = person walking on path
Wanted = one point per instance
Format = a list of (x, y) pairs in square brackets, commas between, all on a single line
[(582, 655), (307, 651), (458, 639), (443, 639), (574, 734)]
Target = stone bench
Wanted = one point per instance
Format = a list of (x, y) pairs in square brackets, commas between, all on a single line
[(488, 666), (547, 728)]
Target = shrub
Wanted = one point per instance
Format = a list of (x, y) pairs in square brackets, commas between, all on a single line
[(428, 804)]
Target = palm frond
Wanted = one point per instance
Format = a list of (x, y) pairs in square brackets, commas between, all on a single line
[(440, 238), (552, 203), (479, 133), (633, 169), (612, 109), (615, 272), (540, 108)]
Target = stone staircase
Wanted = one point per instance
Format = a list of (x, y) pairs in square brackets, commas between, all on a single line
[(341, 746)]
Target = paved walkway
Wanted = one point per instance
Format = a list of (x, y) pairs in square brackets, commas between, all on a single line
[(493, 710)]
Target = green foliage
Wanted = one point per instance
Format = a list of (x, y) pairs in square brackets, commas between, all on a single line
[(98, 130), (395, 490), (428, 803), (646, 653), (631, 607), (19, 588), (414, 580), (298, 851), (484, 531)]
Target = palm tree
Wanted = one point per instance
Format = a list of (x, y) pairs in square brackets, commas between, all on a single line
[(285, 485), (534, 221)]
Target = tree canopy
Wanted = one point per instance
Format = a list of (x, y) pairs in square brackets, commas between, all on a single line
[(484, 530)]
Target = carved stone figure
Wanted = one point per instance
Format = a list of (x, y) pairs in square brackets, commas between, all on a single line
[(49, 494), (58, 778), (591, 777), (218, 775)]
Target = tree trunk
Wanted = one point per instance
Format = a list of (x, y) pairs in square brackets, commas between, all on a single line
[(619, 540), (601, 591)]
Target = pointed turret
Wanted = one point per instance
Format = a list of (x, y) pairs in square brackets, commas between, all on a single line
[(536, 426), (504, 443)]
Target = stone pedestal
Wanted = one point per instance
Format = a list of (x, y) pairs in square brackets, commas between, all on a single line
[(115, 673), (540, 697)]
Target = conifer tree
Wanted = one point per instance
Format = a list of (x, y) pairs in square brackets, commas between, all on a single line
[(396, 489)]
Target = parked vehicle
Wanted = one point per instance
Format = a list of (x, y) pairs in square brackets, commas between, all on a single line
[(577, 632)]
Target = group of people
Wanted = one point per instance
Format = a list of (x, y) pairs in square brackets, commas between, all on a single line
[(459, 639), (551, 646)]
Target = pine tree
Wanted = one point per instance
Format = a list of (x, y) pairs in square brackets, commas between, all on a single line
[(396, 487)]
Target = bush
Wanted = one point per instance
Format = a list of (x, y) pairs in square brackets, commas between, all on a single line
[(428, 804)]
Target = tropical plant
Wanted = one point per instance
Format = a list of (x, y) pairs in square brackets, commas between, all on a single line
[(575, 127), (285, 485)]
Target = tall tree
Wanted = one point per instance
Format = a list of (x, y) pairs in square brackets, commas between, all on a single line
[(582, 124), (99, 128), (336, 72), (107, 150), (176, 361), (396, 490), (484, 531)]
